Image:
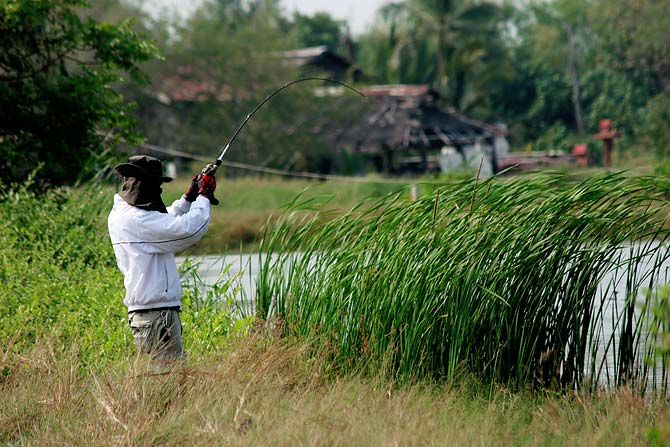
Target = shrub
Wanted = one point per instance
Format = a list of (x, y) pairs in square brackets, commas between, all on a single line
[(59, 273)]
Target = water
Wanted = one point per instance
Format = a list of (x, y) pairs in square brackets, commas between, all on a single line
[(240, 269), (230, 272), (613, 290), (640, 287)]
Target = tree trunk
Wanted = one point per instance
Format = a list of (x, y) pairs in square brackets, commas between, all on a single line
[(574, 77), (441, 65)]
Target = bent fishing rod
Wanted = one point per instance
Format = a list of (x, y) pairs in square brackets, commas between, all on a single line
[(211, 168)]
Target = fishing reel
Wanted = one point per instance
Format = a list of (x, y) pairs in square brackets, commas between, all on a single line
[(211, 168)]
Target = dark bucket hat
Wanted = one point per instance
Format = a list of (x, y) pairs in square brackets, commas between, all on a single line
[(144, 167)]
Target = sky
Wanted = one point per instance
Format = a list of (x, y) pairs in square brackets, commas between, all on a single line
[(359, 14)]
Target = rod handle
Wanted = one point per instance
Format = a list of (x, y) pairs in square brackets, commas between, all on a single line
[(211, 168)]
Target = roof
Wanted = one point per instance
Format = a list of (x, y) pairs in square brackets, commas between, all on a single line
[(186, 85), (320, 57), (404, 116), (305, 53), (190, 85)]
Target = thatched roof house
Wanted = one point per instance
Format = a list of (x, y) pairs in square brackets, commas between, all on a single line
[(405, 118)]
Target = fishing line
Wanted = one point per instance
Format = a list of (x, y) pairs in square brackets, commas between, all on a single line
[(211, 168)]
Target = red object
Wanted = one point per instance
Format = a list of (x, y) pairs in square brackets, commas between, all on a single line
[(607, 134), (206, 185), (579, 150)]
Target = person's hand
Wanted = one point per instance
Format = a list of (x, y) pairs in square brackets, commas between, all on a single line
[(206, 187), (192, 193)]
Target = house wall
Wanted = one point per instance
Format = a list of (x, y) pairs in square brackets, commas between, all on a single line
[(451, 160)]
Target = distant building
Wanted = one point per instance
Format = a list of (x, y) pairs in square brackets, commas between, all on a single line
[(314, 61), (186, 86), (402, 128), (405, 130)]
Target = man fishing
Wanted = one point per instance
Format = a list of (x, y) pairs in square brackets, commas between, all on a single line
[(145, 235)]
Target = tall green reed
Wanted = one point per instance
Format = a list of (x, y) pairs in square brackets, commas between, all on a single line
[(512, 280)]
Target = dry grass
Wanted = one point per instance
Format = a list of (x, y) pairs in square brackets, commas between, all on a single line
[(275, 394)]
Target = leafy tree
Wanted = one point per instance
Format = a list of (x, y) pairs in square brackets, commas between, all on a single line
[(57, 105), (441, 42), (376, 47), (555, 40), (635, 47), (232, 51), (656, 125), (229, 49), (634, 36), (318, 29), (541, 95)]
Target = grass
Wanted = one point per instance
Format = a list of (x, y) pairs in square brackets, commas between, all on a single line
[(68, 375), (60, 279), (257, 392), (499, 278), (248, 203)]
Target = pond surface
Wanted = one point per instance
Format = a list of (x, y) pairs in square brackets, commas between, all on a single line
[(240, 270)]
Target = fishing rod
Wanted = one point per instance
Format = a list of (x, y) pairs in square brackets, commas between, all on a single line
[(211, 168)]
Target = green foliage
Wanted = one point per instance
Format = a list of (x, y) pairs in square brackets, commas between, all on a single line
[(659, 436), (56, 75), (556, 137), (559, 138), (59, 273), (633, 36), (499, 278), (449, 45), (620, 66), (660, 323), (232, 51), (656, 125), (319, 29), (211, 311), (498, 62)]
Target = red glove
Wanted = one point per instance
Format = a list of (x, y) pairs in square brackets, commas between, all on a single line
[(192, 192), (206, 187)]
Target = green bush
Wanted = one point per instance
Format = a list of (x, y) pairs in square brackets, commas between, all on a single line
[(58, 69), (59, 273), (655, 125)]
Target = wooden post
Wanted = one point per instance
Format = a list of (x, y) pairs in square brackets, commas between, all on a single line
[(607, 134), (414, 192)]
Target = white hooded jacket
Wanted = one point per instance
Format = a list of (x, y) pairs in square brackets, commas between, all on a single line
[(145, 242)]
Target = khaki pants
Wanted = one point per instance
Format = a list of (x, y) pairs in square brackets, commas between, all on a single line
[(158, 333)]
